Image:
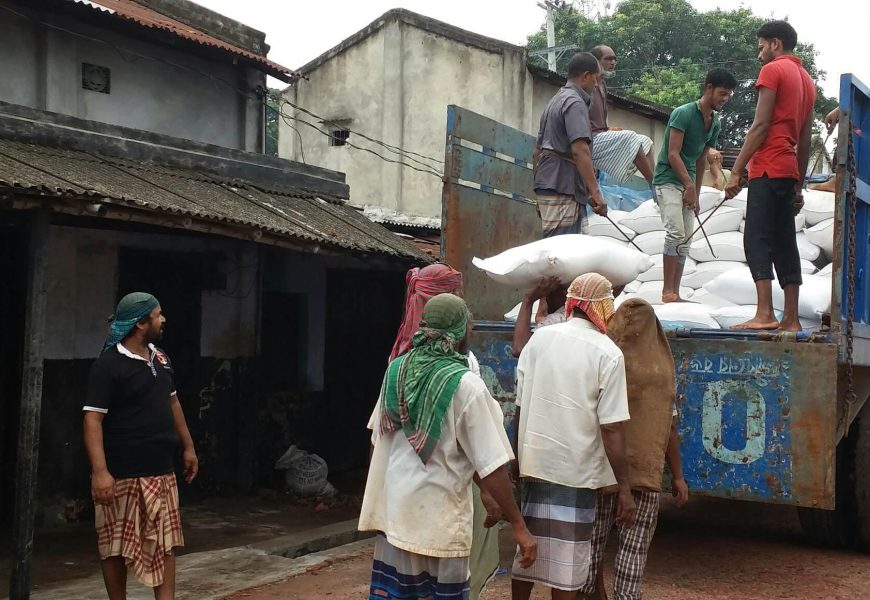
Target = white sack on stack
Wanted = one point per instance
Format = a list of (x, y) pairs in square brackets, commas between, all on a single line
[(656, 272), (808, 250), (822, 235), (708, 271), (727, 218), (818, 206), (727, 246), (652, 242), (644, 218), (702, 296), (600, 226)]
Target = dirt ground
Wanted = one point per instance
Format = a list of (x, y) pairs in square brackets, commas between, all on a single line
[(711, 550), (71, 553)]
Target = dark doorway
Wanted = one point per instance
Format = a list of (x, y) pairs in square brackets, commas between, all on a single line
[(175, 278), (13, 274), (364, 311)]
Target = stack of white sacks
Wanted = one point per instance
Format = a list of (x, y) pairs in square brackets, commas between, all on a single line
[(719, 288)]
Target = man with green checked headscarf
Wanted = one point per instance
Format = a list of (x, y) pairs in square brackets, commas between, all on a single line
[(133, 423), (436, 429)]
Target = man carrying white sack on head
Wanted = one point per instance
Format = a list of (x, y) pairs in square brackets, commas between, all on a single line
[(692, 131), (571, 405)]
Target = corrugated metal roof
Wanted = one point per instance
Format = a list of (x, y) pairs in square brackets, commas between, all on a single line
[(287, 212), (147, 17)]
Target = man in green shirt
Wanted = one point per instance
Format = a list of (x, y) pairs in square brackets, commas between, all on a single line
[(692, 130)]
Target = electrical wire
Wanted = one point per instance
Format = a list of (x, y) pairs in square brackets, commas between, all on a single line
[(246, 94), (392, 148), (370, 151)]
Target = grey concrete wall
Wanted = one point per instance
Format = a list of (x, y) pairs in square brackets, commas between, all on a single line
[(396, 85), (83, 282), (170, 92)]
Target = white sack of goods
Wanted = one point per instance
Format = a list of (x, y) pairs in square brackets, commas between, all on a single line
[(686, 315), (822, 235), (651, 291), (807, 268), (634, 286), (702, 296), (599, 225), (651, 242), (826, 270), (565, 257), (726, 246), (644, 218), (738, 201), (708, 271), (656, 272), (708, 198), (808, 250), (738, 287), (723, 220), (818, 206)]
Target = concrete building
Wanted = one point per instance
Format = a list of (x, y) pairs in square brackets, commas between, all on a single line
[(166, 66), (131, 139), (393, 81)]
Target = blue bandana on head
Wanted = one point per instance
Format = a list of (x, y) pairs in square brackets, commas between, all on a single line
[(130, 311)]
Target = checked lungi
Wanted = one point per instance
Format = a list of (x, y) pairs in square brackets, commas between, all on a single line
[(561, 214), (634, 543), (401, 575), (142, 524), (560, 518), (614, 152)]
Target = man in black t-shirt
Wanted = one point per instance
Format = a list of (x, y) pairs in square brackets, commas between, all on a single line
[(133, 423)]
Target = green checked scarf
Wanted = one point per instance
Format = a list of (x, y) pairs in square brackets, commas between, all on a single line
[(419, 385)]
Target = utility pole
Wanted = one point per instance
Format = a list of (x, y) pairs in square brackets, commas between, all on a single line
[(551, 36)]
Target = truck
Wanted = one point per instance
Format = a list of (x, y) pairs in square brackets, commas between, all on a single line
[(763, 416)]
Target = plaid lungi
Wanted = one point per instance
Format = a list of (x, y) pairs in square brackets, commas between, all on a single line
[(560, 519), (634, 543), (561, 214), (143, 525), (614, 152), (401, 575)]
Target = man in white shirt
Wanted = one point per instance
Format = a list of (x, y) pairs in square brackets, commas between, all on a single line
[(435, 428), (572, 400)]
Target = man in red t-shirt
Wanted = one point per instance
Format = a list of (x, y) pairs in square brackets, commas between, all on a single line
[(777, 150)]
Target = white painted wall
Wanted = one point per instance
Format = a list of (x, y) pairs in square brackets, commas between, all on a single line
[(396, 85), (83, 281), (42, 69)]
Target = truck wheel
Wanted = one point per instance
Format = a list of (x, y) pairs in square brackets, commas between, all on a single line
[(837, 528)]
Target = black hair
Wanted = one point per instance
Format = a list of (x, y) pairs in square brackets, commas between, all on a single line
[(779, 30), (720, 78), (582, 63)]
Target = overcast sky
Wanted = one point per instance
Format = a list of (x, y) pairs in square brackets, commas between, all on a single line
[(301, 31)]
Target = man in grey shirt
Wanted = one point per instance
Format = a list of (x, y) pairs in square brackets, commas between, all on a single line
[(565, 179)]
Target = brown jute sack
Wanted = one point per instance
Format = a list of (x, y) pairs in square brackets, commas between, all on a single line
[(649, 373)]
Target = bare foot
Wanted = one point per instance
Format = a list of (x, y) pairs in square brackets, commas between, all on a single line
[(790, 325), (756, 324), (829, 186), (668, 298)]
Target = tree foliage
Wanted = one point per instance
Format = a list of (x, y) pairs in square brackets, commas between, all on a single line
[(665, 48)]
